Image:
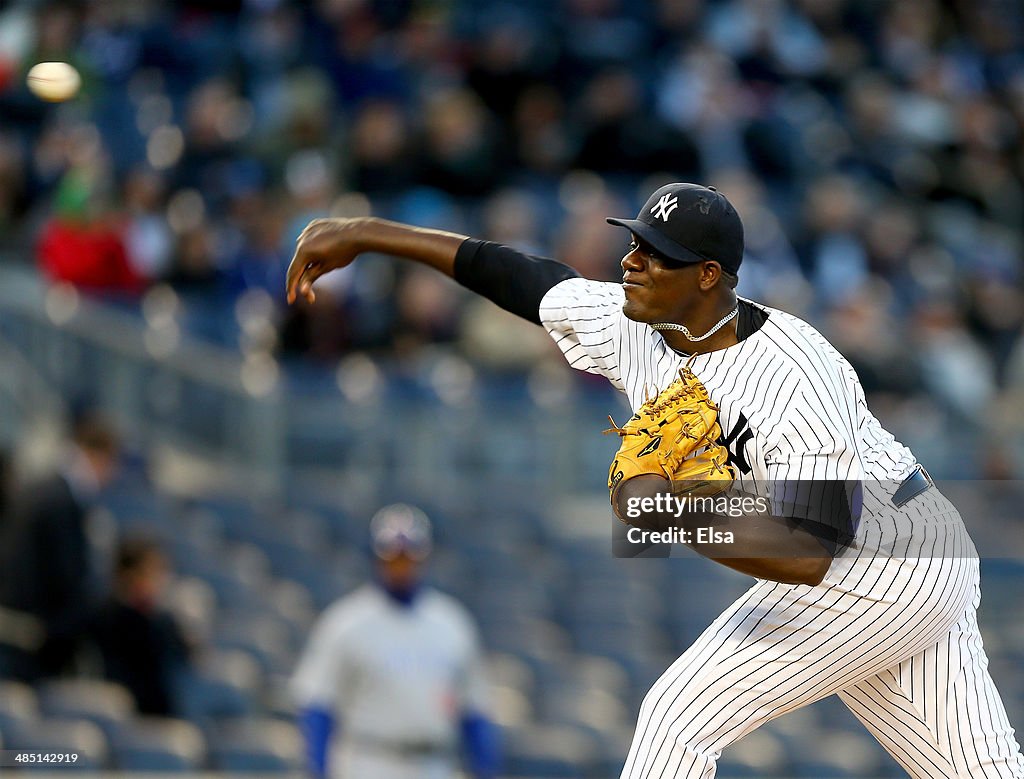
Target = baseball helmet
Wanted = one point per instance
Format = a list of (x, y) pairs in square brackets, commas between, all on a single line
[(401, 529)]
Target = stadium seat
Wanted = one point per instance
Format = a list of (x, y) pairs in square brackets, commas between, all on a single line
[(512, 708), (194, 605), (526, 637), (586, 628), (1007, 569), (344, 529), (292, 605), (510, 671), (201, 526), (156, 744), (621, 642), (587, 671), (756, 755), (230, 591), (265, 637), (593, 709), (450, 574), (837, 755), (18, 705), (278, 700), (226, 684), (552, 752), (643, 671), (1000, 604), (501, 597), (490, 561), (63, 736), (604, 598), (106, 704), (589, 557), (132, 505), (832, 715), (291, 560), (309, 529), (236, 517), (325, 584), (264, 745)]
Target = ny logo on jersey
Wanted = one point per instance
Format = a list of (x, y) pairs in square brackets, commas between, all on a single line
[(735, 441), (665, 206)]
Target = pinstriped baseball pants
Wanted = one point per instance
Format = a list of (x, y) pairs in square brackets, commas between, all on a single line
[(895, 637)]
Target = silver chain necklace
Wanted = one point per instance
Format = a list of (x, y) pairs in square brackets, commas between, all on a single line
[(686, 332)]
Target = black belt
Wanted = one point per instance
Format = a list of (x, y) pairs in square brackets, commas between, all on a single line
[(917, 482)]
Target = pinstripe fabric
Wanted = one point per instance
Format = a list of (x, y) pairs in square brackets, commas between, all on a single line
[(926, 710), (799, 397), (896, 638), (892, 628)]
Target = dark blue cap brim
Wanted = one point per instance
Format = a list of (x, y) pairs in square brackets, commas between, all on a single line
[(661, 243)]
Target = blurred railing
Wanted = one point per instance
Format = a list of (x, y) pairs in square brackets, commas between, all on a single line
[(161, 387), (437, 426)]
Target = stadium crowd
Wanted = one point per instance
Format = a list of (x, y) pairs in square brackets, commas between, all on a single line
[(873, 149)]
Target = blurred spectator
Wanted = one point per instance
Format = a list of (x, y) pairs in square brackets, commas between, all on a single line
[(860, 328), (510, 56), (427, 308), (194, 267), (462, 152), (621, 136), (383, 161), (868, 142), (254, 233), (147, 234), (57, 30), (956, 370), (81, 245), (12, 183), (6, 490), (319, 331), (771, 270), (835, 256), (540, 134), (513, 217), (585, 241), (47, 581), (701, 93), (141, 645)]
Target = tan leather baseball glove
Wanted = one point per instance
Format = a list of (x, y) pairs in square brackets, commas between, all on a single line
[(674, 435)]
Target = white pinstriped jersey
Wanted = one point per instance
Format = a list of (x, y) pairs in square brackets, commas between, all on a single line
[(791, 406), (891, 629)]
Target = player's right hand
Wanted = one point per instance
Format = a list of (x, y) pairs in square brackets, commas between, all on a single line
[(324, 245)]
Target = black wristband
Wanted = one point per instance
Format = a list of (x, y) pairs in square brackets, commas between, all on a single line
[(513, 280)]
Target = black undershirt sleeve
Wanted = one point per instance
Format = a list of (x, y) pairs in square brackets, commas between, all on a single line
[(749, 319), (513, 280), (828, 510)]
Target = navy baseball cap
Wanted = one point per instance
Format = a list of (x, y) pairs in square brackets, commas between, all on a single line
[(400, 529), (690, 223)]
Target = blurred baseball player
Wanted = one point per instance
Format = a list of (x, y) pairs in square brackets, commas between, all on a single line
[(889, 627), (391, 682)]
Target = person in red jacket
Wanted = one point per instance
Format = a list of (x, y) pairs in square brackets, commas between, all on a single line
[(79, 245)]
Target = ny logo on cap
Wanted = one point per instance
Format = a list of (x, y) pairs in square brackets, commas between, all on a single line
[(665, 206)]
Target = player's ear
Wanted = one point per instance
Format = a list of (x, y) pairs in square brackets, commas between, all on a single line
[(710, 274)]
